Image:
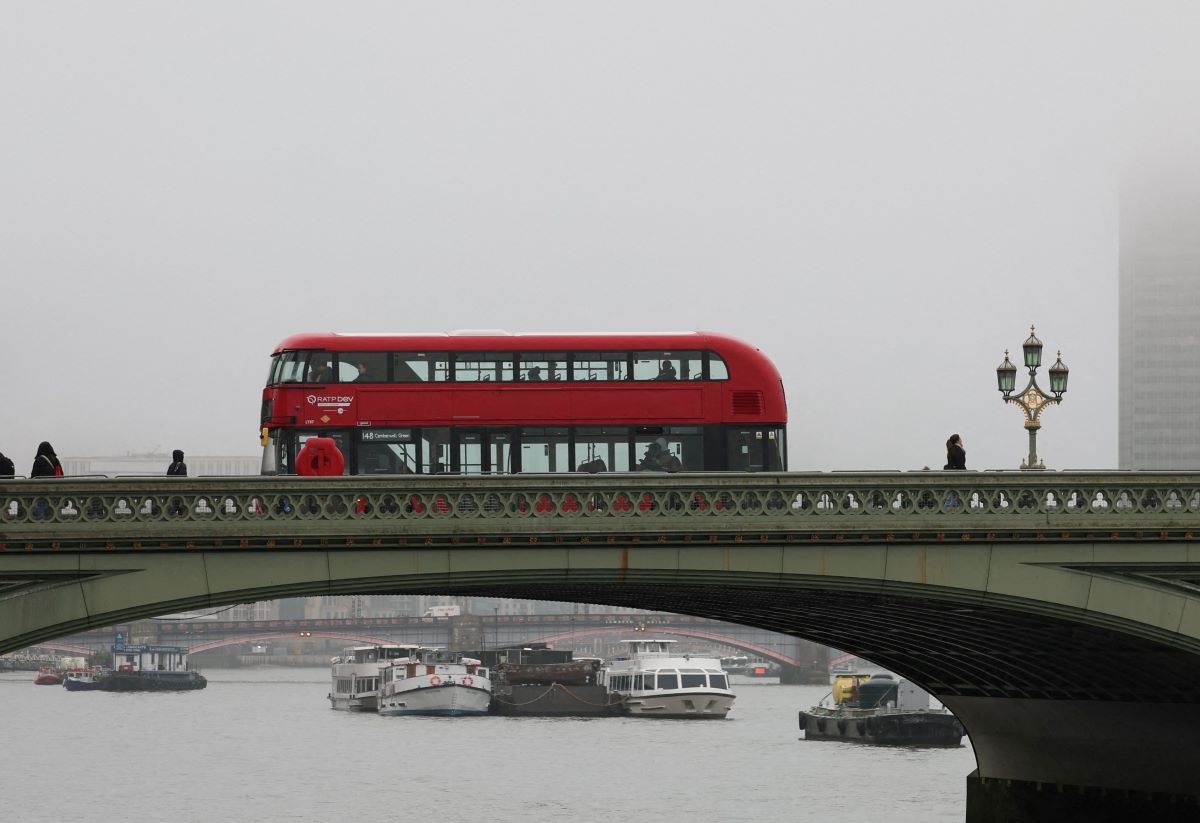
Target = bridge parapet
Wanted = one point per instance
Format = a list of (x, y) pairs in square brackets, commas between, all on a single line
[(35, 515)]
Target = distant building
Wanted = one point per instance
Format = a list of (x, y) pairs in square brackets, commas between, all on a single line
[(1160, 324), (156, 463)]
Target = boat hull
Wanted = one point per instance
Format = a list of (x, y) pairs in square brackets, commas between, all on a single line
[(556, 700), (930, 728), (355, 703), (46, 679), (446, 700), (707, 705), (73, 685), (152, 682)]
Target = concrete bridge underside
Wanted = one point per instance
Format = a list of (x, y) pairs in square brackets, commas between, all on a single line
[(1068, 647)]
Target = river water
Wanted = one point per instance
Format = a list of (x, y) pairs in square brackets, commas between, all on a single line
[(263, 745)]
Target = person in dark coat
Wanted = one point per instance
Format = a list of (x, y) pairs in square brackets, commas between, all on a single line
[(956, 455), (46, 463), (7, 469), (177, 468)]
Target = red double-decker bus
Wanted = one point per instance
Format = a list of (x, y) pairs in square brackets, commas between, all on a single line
[(492, 402)]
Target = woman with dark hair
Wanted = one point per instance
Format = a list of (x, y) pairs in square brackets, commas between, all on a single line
[(46, 463), (956, 455)]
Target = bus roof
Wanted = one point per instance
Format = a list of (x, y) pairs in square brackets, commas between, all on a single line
[(505, 341)]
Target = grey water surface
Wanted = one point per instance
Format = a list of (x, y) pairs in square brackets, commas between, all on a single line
[(263, 745)]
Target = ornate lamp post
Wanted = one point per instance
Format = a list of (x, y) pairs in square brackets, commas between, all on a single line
[(1032, 399)]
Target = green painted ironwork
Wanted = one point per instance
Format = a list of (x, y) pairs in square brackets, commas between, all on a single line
[(86, 513)]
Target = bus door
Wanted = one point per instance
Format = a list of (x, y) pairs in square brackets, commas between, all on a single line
[(481, 451), (755, 449)]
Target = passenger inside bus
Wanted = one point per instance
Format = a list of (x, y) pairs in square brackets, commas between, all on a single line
[(658, 458), (320, 371), (535, 375), (666, 371), (363, 374)]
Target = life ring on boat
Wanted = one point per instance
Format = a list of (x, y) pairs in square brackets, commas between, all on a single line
[(468, 681), (435, 680)]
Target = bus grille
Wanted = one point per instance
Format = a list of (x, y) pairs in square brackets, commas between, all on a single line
[(747, 402)]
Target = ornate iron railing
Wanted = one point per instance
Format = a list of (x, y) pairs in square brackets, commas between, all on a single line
[(815, 504)]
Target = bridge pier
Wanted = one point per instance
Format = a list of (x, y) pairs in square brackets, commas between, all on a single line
[(1024, 801), (1091, 761)]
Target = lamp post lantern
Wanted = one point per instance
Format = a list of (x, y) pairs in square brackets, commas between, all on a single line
[(1032, 399)]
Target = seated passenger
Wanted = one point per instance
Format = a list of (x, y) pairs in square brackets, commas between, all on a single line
[(535, 375), (363, 375), (320, 372), (666, 371)]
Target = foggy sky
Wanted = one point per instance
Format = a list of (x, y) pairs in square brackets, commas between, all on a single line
[(882, 196)]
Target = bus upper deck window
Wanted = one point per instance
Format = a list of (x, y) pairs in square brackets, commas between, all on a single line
[(716, 367), (291, 367), (362, 367), (420, 367)]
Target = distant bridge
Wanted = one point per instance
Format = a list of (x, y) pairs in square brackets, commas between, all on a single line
[(498, 630), (1057, 614)]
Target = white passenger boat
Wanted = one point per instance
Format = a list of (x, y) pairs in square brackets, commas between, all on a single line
[(434, 682), (356, 675), (659, 682)]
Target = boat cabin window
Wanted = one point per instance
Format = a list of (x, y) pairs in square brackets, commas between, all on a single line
[(692, 681), (718, 681), (668, 681)]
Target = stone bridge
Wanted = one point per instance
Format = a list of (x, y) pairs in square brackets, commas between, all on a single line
[(1055, 613)]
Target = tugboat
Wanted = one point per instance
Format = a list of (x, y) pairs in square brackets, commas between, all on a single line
[(880, 709)]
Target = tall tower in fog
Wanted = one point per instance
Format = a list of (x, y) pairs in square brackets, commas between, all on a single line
[(1160, 324)]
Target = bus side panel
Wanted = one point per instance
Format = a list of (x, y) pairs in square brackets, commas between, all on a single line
[(661, 404), (382, 405), (511, 405)]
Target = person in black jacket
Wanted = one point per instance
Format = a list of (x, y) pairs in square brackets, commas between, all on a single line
[(7, 469), (956, 455), (177, 468), (46, 464)]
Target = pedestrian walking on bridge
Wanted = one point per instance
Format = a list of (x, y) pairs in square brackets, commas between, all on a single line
[(956, 455)]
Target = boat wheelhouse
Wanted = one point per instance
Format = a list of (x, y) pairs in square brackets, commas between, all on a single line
[(657, 681), (355, 675), (435, 682), (150, 668)]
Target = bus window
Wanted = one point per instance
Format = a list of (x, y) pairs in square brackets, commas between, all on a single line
[(484, 367), (602, 449), (544, 450), (420, 367), (291, 367), (500, 452), (717, 369), (273, 372), (776, 451), (691, 365), (435, 451), (362, 367), (666, 366), (320, 368), (537, 367), (386, 451), (604, 365), (658, 452)]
